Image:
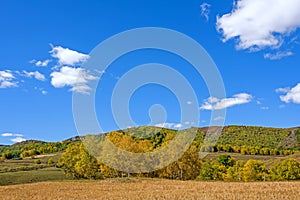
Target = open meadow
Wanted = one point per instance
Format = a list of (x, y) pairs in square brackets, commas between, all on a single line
[(151, 189)]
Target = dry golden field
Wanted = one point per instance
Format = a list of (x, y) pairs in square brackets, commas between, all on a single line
[(151, 189)]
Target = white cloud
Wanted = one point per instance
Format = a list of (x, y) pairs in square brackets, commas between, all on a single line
[(257, 24), (7, 79), (44, 63), (291, 94), (178, 126), (189, 102), (11, 135), (278, 55), (205, 10), (6, 134), (18, 139), (264, 108), (67, 56), (219, 118), (170, 125), (281, 106), (283, 90), (76, 78), (37, 75), (213, 103), (44, 92)]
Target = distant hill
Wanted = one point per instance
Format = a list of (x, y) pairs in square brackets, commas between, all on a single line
[(234, 135), (28, 142), (232, 139)]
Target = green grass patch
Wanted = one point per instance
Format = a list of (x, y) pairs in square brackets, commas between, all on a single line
[(21, 177)]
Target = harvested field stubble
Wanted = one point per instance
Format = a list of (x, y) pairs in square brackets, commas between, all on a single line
[(152, 189)]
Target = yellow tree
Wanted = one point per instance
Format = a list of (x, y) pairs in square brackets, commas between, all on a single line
[(78, 163), (289, 169), (254, 170)]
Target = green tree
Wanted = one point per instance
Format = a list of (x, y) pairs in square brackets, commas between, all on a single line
[(38, 161), (234, 173), (206, 172), (226, 160)]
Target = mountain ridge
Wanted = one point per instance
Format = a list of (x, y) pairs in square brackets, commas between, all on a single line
[(205, 129)]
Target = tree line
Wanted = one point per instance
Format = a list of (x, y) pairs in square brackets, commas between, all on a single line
[(246, 140), (248, 150), (31, 148), (227, 169), (78, 163)]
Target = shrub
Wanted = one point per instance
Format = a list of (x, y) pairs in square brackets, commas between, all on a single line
[(38, 161), (50, 162), (289, 169)]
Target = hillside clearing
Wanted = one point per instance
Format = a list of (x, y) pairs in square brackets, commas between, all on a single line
[(151, 189)]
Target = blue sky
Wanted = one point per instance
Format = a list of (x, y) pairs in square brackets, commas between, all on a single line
[(255, 45)]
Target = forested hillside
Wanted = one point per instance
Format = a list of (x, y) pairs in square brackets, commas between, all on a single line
[(238, 139), (280, 145), (31, 148)]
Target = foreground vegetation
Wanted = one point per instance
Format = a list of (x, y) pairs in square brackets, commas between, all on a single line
[(78, 163), (241, 154), (152, 189)]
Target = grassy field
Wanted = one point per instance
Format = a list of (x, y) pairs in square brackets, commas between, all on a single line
[(27, 162), (20, 177), (20, 171), (151, 189)]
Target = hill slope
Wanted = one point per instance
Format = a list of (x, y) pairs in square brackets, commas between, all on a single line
[(235, 136)]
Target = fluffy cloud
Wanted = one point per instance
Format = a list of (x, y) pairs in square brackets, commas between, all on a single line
[(37, 75), (219, 118), (213, 103), (7, 79), (44, 63), (67, 56), (76, 78), (18, 139), (169, 125), (257, 24), (205, 10), (283, 90), (291, 94), (11, 135), (6, 134), (278, 55), (44, 92), (189, 102)]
